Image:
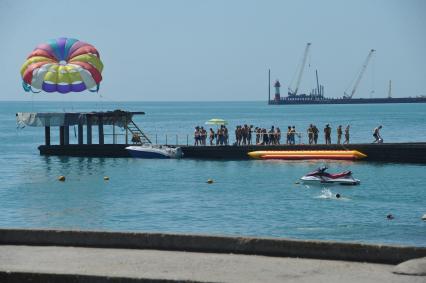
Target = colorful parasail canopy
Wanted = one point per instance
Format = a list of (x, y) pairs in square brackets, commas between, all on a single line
[(63, 65)]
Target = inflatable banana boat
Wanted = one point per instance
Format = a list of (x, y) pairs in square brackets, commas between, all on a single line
[(308, 154)]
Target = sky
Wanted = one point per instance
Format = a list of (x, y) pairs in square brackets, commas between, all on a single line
[(195, 50)]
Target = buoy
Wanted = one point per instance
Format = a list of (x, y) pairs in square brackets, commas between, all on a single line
[(210, 181), (61, 178), (424, 217), (106, 178), (390, 217)]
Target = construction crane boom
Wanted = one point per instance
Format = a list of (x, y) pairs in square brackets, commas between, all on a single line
[(358, 80), (302, 68)]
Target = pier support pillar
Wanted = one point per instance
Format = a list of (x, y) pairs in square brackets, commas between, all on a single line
[(101, 131), (47, 135), (66, 135), (89, 130), (80, 133), (61, 135), (113, 132), (127, 133)]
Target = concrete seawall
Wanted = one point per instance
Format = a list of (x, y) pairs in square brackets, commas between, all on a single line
[(387, 152), (218, 244)]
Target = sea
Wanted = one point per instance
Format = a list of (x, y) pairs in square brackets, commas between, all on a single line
[(260, 198)]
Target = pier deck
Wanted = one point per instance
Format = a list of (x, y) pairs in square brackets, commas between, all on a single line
[(387, 152)]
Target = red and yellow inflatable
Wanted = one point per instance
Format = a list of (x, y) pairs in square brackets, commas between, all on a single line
[(308, 154)]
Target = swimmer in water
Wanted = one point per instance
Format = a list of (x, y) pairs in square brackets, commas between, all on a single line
[(337, 195), (390, 217)]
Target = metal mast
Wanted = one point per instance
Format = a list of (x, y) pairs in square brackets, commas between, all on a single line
[(358, 80), (318, 88), (299, 77), (269, 86)]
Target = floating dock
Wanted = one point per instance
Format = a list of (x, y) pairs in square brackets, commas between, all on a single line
[(86, 146), (388, 152)]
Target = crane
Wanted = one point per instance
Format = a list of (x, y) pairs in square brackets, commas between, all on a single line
[(299, 77), (364, 66)]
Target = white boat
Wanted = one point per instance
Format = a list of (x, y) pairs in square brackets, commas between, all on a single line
[(154, 151)]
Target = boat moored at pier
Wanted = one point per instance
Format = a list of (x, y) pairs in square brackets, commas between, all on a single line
[(154, 151)]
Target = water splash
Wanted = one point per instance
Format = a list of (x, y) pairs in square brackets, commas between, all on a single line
[(326, 194)]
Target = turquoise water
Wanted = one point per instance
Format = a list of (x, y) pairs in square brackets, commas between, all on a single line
[(255, 198)]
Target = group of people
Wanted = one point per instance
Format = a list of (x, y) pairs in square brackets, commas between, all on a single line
[(220, 137), (291, 135), (268, 137), (313, 134), (243, 135)]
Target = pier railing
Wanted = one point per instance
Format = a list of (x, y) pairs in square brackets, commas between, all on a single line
[(189, 139), (119, 136)]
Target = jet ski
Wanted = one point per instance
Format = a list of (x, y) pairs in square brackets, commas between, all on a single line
[(320, 176), (154, 151)]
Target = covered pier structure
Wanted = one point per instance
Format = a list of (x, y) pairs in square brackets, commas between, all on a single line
[(87, 120)]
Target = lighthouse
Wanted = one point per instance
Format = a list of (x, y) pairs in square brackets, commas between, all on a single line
[(277, 86)]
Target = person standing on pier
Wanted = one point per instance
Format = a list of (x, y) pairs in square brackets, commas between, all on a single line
[(211, 136), (258, 134), (310, 134), (278, 136), (225, 135), (218, 135), (238, 135), (376, 135), (203, 135), (316, 131), (327, 134), (249, 134), (265, 137), (271, 135), (196, 135), (346, 135), (293, 135), (339, 134), (244, 134), (288, 135)]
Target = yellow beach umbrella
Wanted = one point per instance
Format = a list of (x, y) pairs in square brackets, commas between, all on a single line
[(217, 121)]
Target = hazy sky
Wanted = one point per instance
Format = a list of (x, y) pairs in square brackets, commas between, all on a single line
[(221, 50)]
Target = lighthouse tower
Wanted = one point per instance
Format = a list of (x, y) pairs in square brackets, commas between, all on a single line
[(277, 86)]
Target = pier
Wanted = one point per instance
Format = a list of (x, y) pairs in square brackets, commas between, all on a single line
[(388, 152), (88, 145)]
